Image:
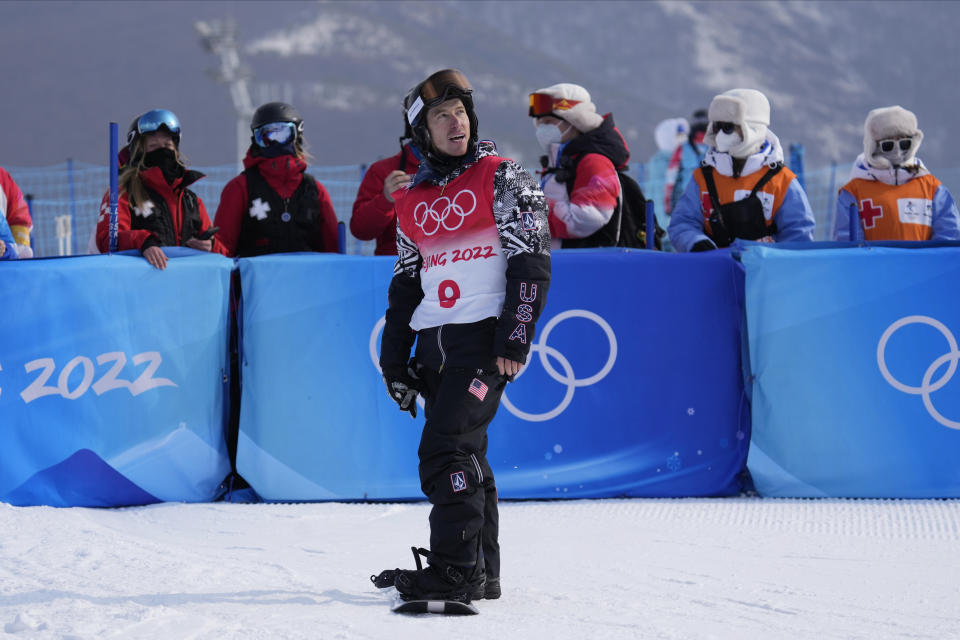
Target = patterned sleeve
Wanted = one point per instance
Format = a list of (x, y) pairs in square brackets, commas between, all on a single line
[(408, 256), (520, 210), (404, 295)]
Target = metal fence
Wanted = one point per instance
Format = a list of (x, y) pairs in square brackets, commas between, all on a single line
[(65, 198)]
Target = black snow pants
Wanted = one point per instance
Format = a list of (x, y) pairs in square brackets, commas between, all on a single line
[(454, 473)]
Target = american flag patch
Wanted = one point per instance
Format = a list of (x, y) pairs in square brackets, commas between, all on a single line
[(478, 389)]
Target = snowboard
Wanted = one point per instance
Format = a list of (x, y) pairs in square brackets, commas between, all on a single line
[(445, 607)]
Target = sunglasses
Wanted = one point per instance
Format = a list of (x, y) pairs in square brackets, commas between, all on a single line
[(279, 132), (543, 104), (155, 120), (726, 127), (439, 87), (887, 145)]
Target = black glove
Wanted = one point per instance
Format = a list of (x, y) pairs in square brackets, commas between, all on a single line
[(702, 245), (404, 386)]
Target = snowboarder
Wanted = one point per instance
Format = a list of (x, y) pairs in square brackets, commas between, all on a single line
[(470, 281)]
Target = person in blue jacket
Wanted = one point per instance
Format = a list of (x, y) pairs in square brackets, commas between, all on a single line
[(741, 190), (8, 247), (891, 194), (691, 154), (662, 167)]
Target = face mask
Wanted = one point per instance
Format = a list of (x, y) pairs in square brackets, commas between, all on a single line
[(276, 150), (548, 134), (166, 160), (727, 141)]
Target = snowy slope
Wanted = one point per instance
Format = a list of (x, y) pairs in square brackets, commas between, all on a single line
[(675, 569)]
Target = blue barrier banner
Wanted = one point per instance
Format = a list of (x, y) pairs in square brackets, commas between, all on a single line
[(633, 385), (112, 379), (853, 353)]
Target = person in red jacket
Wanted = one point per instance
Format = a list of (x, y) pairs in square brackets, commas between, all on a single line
[(373, 216), (156, 208), (584, 151), (274, 206), (13, 207)]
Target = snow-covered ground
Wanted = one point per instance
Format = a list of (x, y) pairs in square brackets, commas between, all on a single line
[(692, 568)]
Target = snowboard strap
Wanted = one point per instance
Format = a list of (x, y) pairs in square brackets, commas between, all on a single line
[(387, 576)]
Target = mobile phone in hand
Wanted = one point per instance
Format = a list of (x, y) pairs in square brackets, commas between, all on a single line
[(209, 233)]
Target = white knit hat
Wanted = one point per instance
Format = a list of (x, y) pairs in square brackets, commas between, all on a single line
[(885, 123), (670, 133), (574, 106), (747, 108)]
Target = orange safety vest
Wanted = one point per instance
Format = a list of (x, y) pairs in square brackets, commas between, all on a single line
[(895, 211), (730, 189)]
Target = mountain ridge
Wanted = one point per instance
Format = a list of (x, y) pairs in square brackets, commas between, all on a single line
[(345, 65)]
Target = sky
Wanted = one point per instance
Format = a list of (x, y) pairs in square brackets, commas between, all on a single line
[(681, 569), (72, 67)]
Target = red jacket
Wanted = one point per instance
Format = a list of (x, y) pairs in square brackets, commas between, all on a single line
[(173, 197), (14, 208), (283, 174), (373, 215)]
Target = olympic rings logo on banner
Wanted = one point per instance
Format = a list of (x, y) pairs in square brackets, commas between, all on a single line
[(568, 377), (544, 352), (436, 214), (927, 385)]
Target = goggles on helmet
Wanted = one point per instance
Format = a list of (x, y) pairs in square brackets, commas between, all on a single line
[(544, 104), (278, 132), (440, 87), (153, 121)]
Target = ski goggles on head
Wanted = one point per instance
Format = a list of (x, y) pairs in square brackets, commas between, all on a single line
[(888, 145), (275, 132), (442, 84), (155, 120), (726, 127), (440, 87), (544, 104)]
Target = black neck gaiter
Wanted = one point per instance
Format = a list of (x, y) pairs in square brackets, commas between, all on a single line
[(166, 160)]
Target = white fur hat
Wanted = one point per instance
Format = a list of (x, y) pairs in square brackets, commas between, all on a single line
[(747, 108), (670, 133), (578, 110), (885, 123)]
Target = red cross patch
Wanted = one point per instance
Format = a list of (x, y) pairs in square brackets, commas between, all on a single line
[(869, 213)]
